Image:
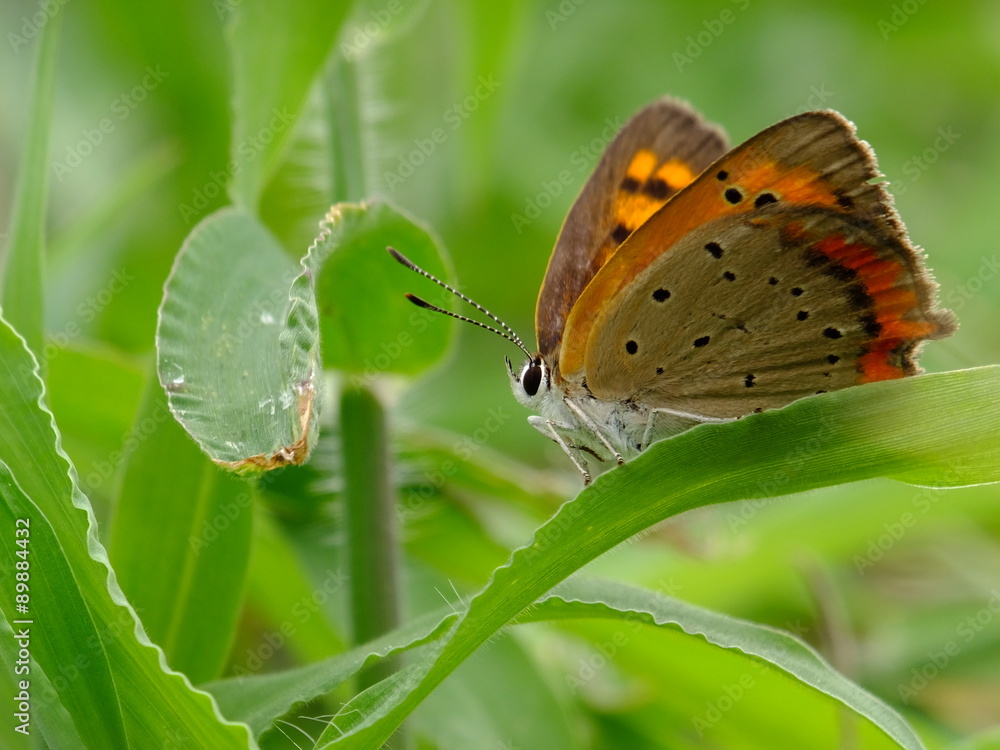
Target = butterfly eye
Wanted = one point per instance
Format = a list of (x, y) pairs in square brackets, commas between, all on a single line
[(531, 377)]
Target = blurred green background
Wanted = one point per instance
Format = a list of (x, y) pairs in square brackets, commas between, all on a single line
[(880, 576)]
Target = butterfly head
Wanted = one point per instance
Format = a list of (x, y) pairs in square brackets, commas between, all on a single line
[(532, 383)]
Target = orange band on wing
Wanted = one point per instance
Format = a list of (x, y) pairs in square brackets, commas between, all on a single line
[(676, 174), (641, 166), (642, 191), (893, 306)]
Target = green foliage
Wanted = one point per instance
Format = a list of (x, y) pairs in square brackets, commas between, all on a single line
[(237, 345), (21, 291), (176, 603), (93, 668), (173, 499), (367, 328)]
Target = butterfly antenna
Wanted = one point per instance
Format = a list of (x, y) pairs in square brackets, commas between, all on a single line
[(507, 333)]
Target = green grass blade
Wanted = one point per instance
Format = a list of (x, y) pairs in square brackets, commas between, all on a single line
[(276, 50), (768, 648), (21, 293), (88, 624), (941, 430), (180, 541), (54, 632), (347, 155), (258, 700)]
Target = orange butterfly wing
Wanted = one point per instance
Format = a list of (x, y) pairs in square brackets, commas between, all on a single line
[(811, 160), (658, 152)]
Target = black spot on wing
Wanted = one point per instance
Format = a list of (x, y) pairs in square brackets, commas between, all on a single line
[(656, 188), (871, 326), (841, 273)]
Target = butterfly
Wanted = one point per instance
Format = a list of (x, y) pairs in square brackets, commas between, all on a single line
[(692, 283)]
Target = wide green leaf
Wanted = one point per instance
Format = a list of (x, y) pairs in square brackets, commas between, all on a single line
[(237, 351), (367, 326), (180, 541), (87, 641), (854, 434)]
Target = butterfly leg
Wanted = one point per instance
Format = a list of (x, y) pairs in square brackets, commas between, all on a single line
[(647, 435), (590, 425), (548, 428)]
